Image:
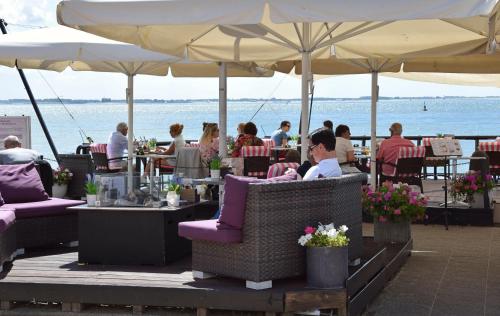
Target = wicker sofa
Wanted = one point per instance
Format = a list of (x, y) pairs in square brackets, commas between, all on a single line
[(275, 216)]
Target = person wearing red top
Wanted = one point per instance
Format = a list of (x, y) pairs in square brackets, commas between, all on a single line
[(249, 138), (389, 149)]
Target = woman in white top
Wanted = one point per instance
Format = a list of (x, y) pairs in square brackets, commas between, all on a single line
[(178, 142), (344, 149), (209, 143)]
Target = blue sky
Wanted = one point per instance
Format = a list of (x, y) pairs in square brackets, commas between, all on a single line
[(87, 85)]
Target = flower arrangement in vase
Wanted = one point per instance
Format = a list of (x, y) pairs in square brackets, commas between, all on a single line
[(91, 190), (62, 176), (174, 194), (215, 165), (327, 255), (393, 207), (470, 187)]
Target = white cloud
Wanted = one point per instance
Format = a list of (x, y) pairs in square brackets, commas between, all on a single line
[(29, 12)]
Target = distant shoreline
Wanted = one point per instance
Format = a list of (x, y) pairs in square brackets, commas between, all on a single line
[(161, 101)]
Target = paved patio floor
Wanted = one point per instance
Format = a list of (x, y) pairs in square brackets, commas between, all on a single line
[(454, 272)]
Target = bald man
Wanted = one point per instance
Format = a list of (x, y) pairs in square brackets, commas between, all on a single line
[(15, 154), (389, 148)]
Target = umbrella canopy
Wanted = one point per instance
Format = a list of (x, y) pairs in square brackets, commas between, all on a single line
[(273, 30)]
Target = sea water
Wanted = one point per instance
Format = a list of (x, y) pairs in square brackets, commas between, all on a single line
[(458, 116)]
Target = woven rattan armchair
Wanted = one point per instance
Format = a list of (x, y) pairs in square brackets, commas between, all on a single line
[(275, 217)]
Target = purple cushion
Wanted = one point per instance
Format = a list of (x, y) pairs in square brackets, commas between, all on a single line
[(209, 230), (52, 206), (235, 198), (7, 218), (21, 183), (2, 202)]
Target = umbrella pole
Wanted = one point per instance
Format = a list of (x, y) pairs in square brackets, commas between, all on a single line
[(222, 109), (130, 101), (306, 68), (373, 133)]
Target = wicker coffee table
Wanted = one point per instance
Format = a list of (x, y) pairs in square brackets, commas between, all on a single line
[(132, 235)]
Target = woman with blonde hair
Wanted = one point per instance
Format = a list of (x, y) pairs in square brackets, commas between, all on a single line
[(209, 142), (178, 142)]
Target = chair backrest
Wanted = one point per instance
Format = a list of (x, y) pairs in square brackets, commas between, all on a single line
[(189, 163), (410, 161), (80, 166), (278, 169), (492, 149), (45, 171), (99, 156), (269, 143), (426, 142), (255, 161), (192, 144)]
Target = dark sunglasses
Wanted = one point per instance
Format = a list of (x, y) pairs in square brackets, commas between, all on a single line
[(312, 147)]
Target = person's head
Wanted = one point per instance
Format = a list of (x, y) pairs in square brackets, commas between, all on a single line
[(292, 155), (322, 144), (328, 124), (285, 126), (250, 129), (210, 132), (176, 129), (343, 131), (396, 129), (241, 128), (122, 128), (11, 142)]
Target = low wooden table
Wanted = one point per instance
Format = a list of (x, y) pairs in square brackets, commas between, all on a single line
[(132, 235)]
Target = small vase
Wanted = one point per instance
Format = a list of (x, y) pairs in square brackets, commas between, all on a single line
[(390, 232), (478, 200), (59, 190), (173, 198), (215, 174), (327, 267), (91, 198)]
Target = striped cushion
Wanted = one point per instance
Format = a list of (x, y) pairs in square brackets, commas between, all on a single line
[(490, 146), (278, 169), (426, 141), (269, 143), (255, 151), (101, 149), (410, 152), (256, 173), (193, 144)]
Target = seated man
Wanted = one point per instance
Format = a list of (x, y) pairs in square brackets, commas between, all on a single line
[(14, 154), (117, 146), (389, 148), (322, 148)]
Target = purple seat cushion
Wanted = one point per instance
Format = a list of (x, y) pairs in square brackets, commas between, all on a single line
[(235, 198), (21, 183), (52, 206), (7, 218), (209, 230)]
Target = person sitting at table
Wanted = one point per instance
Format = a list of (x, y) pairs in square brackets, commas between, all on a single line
[(389, 148), (249, 138), (280, 136), (209, 143), (177, 142), (322, 148), (292, 155), (345, 150), (13, 153), (328, 124), (117, 146)]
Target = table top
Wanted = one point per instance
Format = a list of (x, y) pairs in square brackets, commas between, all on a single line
[(455, 158), (155, 155), (85, 207)]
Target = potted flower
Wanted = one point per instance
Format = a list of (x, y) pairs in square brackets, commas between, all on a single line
[(470, 188), (174, 194), (62, 176), (393, 207), (293, 141), (215, 164), (327, 257), (91, 189), (152, 144)]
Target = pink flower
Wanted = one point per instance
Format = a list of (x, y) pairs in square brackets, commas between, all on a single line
[(397, 212), (387, 196), (473, 187), (309, 230), (382, 219), (413, 201)]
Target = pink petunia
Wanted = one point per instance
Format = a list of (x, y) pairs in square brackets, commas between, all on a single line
[(309, 230), (382, 219), (387, 196), (397, 212)]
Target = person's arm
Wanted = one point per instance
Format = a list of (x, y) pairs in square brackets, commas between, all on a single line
[(171, 149), (350, 156), (284, 139)]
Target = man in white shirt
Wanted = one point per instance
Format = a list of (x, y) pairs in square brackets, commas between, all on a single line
[(117, 146), (322, 148), (14, 153)]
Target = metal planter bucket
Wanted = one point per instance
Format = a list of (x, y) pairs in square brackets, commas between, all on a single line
[(478, 200), (327, 267), (389, 232)]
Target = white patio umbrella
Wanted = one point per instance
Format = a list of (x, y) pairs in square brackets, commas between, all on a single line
[(60, 47), (272, 30)]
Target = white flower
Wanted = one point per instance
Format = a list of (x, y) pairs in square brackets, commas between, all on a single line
[(329, 226), (332, 233), (343, 228)]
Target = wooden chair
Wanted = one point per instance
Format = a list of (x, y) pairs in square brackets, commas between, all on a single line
[(278, 169), (408, 167), (255, 161), (492, 150), (432, 162), (101, 160)]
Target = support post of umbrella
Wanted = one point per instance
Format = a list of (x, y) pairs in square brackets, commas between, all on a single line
[(34, 103), (306, 69), (373, 132), (222, 109), (130, 148)]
